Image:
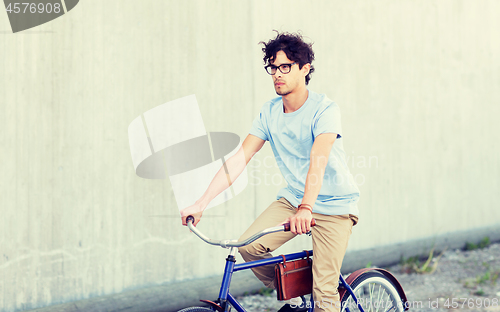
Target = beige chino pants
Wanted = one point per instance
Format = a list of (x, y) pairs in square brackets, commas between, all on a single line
[(330, 237)]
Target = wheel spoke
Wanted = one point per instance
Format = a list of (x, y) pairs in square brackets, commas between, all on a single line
[(378, 297)]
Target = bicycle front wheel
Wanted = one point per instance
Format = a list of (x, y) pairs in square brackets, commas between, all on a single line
[(375, 292), (196, 309)]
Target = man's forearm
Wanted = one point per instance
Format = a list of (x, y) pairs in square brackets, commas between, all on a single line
[(222, 180), (314, 181), (318, 161)]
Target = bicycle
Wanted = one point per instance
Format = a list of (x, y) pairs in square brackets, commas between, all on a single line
[(357, 291)]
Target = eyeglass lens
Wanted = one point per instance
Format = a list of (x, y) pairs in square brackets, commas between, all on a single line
[(284, 69)]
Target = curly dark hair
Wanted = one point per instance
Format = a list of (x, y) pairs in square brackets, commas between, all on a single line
[(294, 47)]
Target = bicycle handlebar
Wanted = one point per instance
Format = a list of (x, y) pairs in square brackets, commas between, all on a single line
[(235, 243)]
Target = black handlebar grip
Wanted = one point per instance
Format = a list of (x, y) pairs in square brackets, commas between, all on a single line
[(190, 218)]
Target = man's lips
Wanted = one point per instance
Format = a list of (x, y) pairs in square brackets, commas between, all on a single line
[(279, 83)]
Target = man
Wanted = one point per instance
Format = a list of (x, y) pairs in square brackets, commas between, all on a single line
[(305, 134)]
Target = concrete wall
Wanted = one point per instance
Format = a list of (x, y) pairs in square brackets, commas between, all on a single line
[(417, 83)]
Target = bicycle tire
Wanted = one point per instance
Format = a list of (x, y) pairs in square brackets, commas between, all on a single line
[(373, 290), (196, 309)]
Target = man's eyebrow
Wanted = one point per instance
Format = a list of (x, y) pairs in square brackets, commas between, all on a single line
[(280, 64)]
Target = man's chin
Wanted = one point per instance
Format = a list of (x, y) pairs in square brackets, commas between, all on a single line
[(282, 92)]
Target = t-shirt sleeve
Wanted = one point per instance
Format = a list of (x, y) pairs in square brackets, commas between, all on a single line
[(259, 128), (328, 121)]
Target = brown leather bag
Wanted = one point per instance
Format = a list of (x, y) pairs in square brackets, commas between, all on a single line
[(293, 278)]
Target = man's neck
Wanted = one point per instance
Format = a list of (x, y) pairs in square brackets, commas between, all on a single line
[(295, 100)]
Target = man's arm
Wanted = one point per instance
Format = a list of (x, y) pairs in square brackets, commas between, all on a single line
[(235, 166), (301, 222)]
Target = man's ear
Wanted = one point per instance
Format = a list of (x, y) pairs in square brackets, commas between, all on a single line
[(306, 69)]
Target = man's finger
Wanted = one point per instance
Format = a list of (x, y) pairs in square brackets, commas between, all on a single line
[(305, 226), (308, 226), (293, 226), (299, 227)]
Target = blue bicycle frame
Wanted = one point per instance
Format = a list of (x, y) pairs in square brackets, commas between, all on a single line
[(225, 297)]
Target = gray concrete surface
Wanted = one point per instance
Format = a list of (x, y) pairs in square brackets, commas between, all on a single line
[(417, 84)]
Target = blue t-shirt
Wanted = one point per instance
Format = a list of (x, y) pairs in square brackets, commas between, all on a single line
[(291, 136)]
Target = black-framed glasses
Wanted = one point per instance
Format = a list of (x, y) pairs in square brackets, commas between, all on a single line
[(284, 68)]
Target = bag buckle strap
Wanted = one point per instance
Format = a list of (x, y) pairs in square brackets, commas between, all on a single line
[(284, 261)]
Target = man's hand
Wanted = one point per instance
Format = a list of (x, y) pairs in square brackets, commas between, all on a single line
[(195, 210), (300, 223)]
